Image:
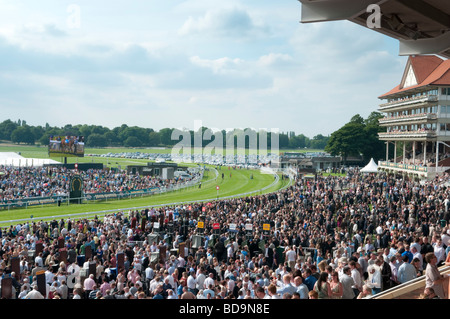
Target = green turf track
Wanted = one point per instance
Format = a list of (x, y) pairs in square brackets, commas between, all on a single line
[(239, 183)]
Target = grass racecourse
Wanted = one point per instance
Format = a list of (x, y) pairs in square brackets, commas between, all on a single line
[(235, 183)]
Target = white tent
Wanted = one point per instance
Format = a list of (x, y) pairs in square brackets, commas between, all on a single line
[(14, 159), (372, 167)]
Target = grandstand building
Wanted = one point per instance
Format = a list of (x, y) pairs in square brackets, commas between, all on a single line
[(417, 119)]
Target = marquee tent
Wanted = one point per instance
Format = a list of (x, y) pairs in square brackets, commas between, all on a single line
[(372, 167), (14, 159)]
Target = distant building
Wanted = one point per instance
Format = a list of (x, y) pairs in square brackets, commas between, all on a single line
[(162, 170), (417, 119), (310, 162)]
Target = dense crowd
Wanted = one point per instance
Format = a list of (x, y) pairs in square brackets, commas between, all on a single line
[(28, 182), (329, 238)]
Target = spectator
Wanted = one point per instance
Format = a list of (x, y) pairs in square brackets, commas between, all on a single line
[(406, 271), (433, 278)]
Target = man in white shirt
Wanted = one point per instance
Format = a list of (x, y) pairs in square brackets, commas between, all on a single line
[(288, 287), (230, 251), (155, 282), (445, 237), (34, 293), (406, 271), (272, 291), (347, 283), (416, 254), (291, 257), (200, 278), (149, 273), (375, 279), (192, 283), (209, 281), (230, 283), (261, 294), (49, 276), (301, 287), (439, 250), (181, 261), (356, 275), (153, 248), (38, 261)]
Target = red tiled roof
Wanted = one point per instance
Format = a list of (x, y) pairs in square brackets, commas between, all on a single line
[(428, 69), (424, 65)]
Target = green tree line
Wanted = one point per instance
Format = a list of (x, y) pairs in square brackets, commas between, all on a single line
[(358, 137), (133, 136)]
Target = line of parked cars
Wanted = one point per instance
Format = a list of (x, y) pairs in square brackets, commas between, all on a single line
[(249, 161)]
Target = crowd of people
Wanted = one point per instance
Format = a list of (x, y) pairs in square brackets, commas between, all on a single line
[(30, 182), (332, 237)]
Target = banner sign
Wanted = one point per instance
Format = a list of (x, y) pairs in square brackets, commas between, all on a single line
[(232, 228), (31, 201), (34, 201)]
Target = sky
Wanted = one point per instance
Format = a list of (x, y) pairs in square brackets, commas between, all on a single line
[(173, 63)]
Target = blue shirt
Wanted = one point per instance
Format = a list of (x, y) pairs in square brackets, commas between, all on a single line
[(287, 289), (180, 290), (409, 254), (208, 291), (303, 291), (406, 272), (310, 281)]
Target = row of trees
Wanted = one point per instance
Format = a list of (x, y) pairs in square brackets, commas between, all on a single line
[(134, 136), (359, 137)]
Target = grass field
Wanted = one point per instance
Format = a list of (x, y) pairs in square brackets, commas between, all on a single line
[(241, 181), (42, 151)]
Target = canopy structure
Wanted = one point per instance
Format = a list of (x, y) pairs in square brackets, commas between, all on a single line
[(14, 159), (421, 26), (372, 167)]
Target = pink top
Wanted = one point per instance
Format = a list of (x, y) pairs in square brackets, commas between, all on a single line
[(89, 284)]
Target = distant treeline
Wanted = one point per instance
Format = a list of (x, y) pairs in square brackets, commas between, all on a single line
[(133, 136)]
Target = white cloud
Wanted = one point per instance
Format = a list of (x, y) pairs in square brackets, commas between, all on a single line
[(232, 64), (233, 22), (223, 65)]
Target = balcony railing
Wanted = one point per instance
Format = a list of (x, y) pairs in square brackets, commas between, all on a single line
[(408, 134), (411, 167), (411, 117), (413, 289), (411, 100), (417, 168)]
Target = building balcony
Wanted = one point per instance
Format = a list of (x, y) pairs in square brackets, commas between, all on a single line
[(419, 170), (408, 119), (407, 135), (407, 102), (407, 167)]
